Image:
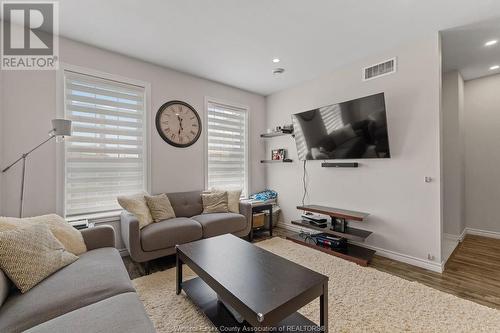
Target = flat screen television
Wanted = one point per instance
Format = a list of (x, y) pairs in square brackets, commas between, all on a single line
[(349, 130)]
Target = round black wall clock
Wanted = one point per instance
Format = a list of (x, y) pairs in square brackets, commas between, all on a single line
[(178, 124)]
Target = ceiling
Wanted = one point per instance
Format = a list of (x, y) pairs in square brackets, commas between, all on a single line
[(234, 41), (464, 49)]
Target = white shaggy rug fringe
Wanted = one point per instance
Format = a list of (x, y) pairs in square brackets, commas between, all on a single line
[(361, 299)]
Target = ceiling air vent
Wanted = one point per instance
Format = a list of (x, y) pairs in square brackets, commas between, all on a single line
[(378, 70)]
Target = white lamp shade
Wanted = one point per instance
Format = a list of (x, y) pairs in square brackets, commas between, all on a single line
[(61, 127)]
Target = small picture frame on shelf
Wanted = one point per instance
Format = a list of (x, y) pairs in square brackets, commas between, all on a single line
[(278, 154)]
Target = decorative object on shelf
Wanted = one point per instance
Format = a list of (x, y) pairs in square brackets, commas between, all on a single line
[(278, 154), (288, 129), (178, 124), (60, 129), (278, 131)]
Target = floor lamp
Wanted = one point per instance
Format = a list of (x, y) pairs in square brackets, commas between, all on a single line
[(60, 128)]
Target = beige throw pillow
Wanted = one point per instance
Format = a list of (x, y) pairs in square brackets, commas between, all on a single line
[(233, 199), (214, 202), (71, 239), (160, 207), (136, 204), (29, 255)]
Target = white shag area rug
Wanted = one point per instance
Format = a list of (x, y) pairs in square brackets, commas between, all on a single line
[(361, 299)]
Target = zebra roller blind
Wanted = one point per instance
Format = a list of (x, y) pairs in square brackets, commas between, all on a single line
[(227, 147), (105, 157)]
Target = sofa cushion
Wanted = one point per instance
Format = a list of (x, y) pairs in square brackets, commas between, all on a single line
[(214, 202), (121, 313), (136, 204), (96, 275), (168, 233), (70, 238), (220, 223), (186, 204), (160, 207), (31, 254)]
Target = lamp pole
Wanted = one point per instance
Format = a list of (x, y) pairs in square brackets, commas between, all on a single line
[(23, 159), (60, 128)]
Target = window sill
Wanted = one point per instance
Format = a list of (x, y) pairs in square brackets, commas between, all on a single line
[(97, 217)]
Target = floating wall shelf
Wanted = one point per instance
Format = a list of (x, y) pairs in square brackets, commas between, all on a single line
[(274, 134), (286, 160)]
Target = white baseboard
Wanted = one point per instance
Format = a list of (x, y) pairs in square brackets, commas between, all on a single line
[(407, 259), (484, 233), (472, 231), (423, 263)]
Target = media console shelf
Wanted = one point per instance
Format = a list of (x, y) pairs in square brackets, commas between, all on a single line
[(354, 253), (337, 212), (338, 227), (349, 233), (339, 216)]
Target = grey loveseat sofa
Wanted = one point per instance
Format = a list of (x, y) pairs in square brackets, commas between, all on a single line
[(159, 239), (93, 294)]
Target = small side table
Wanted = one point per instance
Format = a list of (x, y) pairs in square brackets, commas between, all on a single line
[(259, 208)]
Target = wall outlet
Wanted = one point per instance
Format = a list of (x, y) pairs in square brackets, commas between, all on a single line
[(430, 256)]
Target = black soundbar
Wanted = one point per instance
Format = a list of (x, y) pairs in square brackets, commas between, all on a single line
[(340, 165)]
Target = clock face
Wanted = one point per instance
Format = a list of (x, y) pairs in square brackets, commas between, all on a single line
[(178, 123)]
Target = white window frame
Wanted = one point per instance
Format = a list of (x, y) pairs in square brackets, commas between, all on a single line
[(246, 108), (61, 148)]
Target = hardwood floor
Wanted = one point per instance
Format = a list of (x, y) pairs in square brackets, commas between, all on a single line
[(472, 272)]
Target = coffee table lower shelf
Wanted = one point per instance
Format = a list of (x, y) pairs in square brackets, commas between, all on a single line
[(206, 300), (359, 255)]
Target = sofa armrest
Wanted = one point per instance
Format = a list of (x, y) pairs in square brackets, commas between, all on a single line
[(100, 236), (246, 210), (131, 235)]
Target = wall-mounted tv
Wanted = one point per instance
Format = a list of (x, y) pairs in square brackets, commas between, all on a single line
[(349, 130)]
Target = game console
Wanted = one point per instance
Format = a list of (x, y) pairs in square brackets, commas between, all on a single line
[(314, 218)]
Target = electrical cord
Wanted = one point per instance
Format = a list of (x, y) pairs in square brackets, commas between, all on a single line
[(307, 236), (304, 182)]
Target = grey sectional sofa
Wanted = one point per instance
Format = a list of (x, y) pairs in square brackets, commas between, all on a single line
[(93, 294), (159, 239)]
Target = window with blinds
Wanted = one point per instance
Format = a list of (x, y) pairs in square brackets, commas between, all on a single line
[(226, 147), (105, 156)]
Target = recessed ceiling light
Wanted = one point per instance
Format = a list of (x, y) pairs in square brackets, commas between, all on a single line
[(492, 68), (276, 60), (491, 42), (278, 71)]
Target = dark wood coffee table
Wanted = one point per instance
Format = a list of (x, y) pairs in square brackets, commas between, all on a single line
[(265, 289)]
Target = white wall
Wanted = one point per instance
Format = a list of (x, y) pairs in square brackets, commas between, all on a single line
[(482, 153), (29, 103), (453, 153), (405, 211)]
